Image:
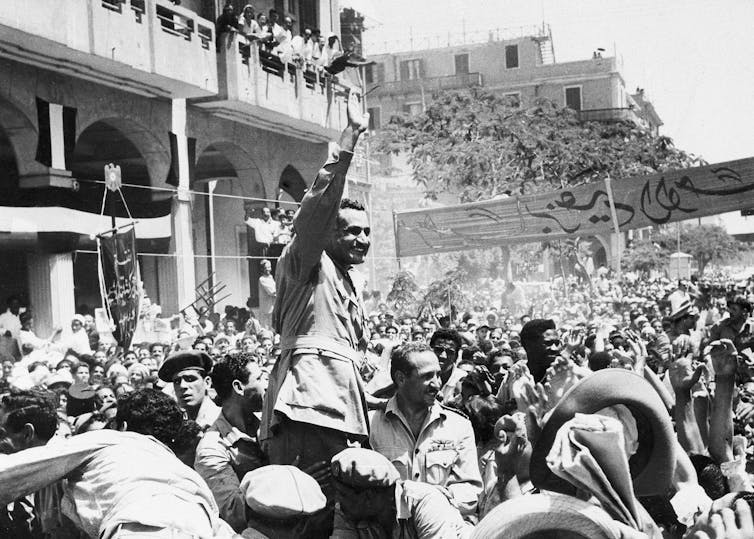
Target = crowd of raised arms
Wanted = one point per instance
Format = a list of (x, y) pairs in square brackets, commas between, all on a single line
[(607, 408)]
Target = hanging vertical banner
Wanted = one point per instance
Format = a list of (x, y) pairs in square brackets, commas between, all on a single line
[(120, 283)]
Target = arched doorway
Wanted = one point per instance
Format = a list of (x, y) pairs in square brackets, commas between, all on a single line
[(12, 259), (129, 145), (292, 183), (220, 236)]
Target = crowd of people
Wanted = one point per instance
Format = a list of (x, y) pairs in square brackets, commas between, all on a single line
[(615, 408), (308, 48)]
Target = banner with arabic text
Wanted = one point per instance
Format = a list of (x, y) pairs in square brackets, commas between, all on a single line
[(120, 283), (579, 211)]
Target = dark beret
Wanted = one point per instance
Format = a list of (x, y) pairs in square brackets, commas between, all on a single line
[(186, 359)]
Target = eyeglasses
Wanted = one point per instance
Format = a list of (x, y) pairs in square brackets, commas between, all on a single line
[(450, 352), (555, 342), (357, 230)]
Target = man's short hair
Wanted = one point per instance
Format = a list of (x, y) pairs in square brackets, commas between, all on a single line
[(741, 301), (155, 344), (399, 357), (447, 335), (152, 413), (232, 367), (349, 203), (534, 329), (34, 407)]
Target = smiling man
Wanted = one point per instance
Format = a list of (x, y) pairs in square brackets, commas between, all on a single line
[(315, 402), (426, 441), (188, 371)]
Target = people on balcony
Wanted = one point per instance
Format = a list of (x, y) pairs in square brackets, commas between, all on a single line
[(225, 26)]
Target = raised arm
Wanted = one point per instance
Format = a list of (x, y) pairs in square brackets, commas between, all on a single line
[(319, 208), (724, 362)]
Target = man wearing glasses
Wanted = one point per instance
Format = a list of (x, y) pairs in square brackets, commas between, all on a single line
[(446, 343)]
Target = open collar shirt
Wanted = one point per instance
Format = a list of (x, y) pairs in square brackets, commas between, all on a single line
[(443, 454)]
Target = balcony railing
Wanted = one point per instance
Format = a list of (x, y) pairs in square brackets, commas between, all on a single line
[(257, 88), (611, 115), (150, 47), (429, 84)]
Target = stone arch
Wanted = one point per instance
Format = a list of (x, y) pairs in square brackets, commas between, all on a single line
[(225, 235), (21, 135), (227, 160), (125, 137), (13, 261), (292, 183)]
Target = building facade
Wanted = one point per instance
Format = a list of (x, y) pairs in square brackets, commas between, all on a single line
[(147, 85), (518, 63)]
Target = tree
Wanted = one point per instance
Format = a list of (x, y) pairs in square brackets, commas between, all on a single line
[(643, 256), (478, 145), (403, 292), (706, 243), (447, 293)]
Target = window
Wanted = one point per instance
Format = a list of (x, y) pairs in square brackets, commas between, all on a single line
[(374, 118), (511, 56), (412, 109), (513, 99), (411, 69), (573, 97), (462, 64), (374, 73)]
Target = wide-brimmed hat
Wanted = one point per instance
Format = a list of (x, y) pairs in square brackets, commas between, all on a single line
[(680, 304), (526, 517), (652, 465)]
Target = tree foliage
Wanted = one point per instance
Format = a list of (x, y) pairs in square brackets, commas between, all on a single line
[(644, 256), (403, 293), (478, 145), (706, 243)]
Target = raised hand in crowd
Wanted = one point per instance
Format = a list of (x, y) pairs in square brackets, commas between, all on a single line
[(725, 523)]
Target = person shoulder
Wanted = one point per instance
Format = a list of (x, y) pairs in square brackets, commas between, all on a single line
[(456, 414)]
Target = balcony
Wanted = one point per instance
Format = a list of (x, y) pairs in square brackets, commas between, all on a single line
[(612, 115), (428, 84), (258, 89), (148, 47)]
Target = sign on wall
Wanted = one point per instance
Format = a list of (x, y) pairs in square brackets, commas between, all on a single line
[(579, 211)]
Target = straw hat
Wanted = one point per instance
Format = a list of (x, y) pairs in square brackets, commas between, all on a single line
[(652, 465), (527, 517), (680, 304)]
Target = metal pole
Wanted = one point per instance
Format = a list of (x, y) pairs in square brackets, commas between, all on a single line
[(678, 248), (211, 210), (616, 224)]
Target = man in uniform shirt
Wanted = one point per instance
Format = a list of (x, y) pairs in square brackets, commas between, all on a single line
[(315, 401), (424, 440), (229, 449), (188, 371), (374, 502)]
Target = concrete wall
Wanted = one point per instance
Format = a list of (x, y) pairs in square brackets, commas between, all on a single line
[(602, 84)]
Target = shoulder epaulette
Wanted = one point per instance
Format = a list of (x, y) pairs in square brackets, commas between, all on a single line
[(452, 409)]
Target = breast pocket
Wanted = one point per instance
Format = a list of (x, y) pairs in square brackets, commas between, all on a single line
[(400, 458), (439, 464)]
